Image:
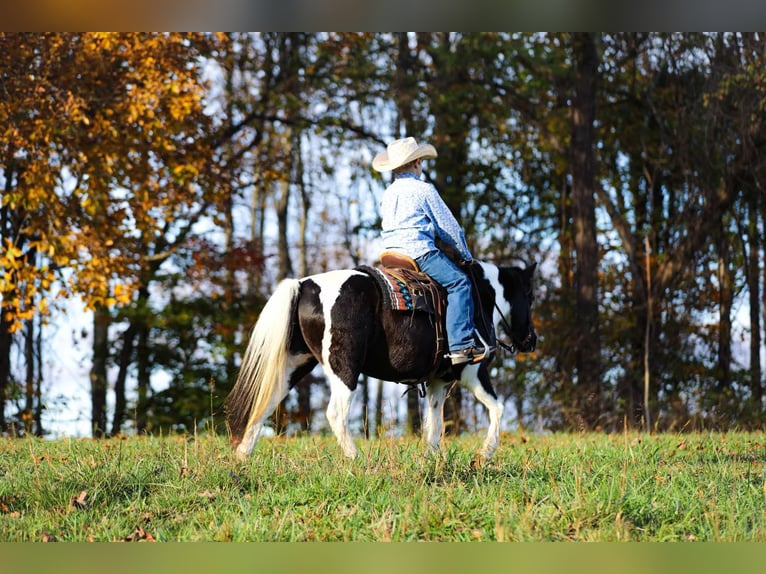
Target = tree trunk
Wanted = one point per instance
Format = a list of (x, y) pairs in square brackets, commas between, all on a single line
[(588, 360), (98, 381), (725, 301), (453, 412), (39, 431), (6, 337), (379, 410), (413, 411), (756, 389), (564, 353), (142, 378), (404, 86), (5, 365), (282, 203), (126, 357), (365, 384), (29, 389)]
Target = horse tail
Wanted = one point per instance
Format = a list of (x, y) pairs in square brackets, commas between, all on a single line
[(262, 373)]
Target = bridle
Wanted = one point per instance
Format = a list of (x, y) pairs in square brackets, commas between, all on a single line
[(511, 348), (507, 327)]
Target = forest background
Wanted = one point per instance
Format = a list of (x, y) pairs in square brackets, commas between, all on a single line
[(164, 183)]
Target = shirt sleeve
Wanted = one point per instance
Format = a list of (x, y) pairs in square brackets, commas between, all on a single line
[(446, 226)]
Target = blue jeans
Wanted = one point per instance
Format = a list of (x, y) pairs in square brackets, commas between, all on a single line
[(459, 299)]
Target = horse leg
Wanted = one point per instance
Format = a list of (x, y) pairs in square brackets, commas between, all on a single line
[(471, 379), (349, 314), (298, 367), (255, 424), (337, 413), (433, 417)]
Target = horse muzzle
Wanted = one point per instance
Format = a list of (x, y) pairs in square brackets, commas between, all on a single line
[(526, 345), (529, 344)]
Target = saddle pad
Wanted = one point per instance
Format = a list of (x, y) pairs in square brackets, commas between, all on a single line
[(403, 290)]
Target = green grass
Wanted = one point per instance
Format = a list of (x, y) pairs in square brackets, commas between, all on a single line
[(704, 487)]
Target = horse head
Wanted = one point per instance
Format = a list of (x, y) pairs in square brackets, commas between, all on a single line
[(516, 324)]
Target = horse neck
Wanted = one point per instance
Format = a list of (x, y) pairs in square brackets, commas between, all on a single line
[(490, 274)]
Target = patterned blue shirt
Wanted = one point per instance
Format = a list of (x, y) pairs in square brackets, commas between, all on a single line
[(414, 214)]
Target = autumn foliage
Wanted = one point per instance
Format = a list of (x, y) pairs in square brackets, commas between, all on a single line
[(101, 156), (165, 182)]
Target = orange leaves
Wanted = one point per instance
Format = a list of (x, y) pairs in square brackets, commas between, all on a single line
[(20, 284), (139, 535), (106, 127), (79, 502)]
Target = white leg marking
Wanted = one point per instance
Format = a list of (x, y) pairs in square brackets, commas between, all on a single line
[(340, 395), (433, 417), (250, 436), (245, 447), (470, 380), (337, 413)]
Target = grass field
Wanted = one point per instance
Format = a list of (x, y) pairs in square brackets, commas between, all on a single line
[(687, 487)]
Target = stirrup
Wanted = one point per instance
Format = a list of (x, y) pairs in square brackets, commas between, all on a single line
[(471, 355)]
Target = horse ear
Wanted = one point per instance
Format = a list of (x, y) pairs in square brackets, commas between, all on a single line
[(531, 269)]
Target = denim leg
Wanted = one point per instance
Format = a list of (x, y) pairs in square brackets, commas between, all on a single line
[(459, 317)]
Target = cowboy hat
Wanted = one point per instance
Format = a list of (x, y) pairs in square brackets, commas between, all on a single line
[(400, 152)]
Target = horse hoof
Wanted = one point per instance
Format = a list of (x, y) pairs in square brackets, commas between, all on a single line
[(479, 461)]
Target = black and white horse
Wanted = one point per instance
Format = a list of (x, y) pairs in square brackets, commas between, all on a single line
[(337, 319)]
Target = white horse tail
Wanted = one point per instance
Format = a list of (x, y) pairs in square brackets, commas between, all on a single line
[(262, 375)]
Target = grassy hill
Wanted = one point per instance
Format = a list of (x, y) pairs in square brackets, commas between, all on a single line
[(686, 487)]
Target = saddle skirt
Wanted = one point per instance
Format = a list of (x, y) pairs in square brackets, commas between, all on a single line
[(407, 290)]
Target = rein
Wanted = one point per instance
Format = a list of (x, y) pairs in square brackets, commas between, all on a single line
[(510, 348)]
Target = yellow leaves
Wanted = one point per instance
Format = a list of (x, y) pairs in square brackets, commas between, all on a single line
[(184, 172), (98, 291), (89, 205), (107, 127), (12, 253), (22, 284), (122, 294)]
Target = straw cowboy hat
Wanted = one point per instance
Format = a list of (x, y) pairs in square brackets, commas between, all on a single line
[(400, 152)]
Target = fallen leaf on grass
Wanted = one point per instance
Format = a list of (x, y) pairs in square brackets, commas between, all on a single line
[(79, 502), (139, 535)]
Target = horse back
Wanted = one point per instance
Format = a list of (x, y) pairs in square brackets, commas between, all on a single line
[(343, 321)]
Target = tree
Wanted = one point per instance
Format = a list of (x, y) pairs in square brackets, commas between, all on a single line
[(171, 205), (97, 158), (583, 114)]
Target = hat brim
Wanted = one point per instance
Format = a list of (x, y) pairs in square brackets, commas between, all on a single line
[(381, 161)]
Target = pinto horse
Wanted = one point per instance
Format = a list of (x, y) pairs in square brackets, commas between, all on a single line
[(337, 319)]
